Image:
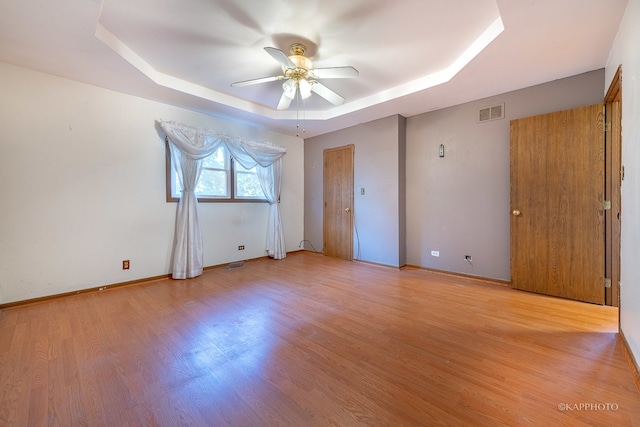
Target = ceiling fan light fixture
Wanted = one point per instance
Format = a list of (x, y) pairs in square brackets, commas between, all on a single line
[(305, 88), (289, 88), (301, 78)]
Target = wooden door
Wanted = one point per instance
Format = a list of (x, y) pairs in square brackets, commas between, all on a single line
[(557, 204), (338, 202)]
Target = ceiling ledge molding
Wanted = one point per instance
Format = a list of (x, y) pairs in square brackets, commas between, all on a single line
[(165, 80), (180, 85)]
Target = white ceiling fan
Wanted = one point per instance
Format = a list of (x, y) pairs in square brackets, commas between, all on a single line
[(301, 77)]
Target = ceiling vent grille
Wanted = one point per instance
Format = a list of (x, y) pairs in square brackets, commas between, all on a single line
[(494, 112)]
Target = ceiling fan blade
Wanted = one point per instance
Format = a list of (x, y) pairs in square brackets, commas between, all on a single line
[(280, 56), (256, 81), (335, 73), (285, 101), (326, 93)]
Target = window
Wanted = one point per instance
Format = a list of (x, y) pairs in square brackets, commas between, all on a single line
[(246, 183), (221, 180)]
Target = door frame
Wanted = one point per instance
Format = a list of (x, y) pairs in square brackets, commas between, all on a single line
[(613, 182)]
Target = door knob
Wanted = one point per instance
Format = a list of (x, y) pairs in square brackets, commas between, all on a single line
[(516, 212), (347, 210)]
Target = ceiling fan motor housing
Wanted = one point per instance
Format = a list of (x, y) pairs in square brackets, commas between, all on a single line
[(300, 76), (303, 64)]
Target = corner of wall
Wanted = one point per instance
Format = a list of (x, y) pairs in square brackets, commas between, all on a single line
[(402, 190)]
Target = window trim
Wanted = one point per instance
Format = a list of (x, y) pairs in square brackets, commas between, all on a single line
[(232, 185)]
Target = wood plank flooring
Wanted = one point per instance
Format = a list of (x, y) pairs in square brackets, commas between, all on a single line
[(314, 341)]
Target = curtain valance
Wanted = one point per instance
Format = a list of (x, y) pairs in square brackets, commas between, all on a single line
[(198, 143), (189, 145)]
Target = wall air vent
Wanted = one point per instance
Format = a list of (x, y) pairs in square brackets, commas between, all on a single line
[(494, 112)]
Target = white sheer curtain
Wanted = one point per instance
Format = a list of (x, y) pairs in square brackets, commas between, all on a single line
[(270, 178), (252, 153), (188, 147), (266, 159)]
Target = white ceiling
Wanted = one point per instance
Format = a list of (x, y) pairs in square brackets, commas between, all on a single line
[(413, 55)]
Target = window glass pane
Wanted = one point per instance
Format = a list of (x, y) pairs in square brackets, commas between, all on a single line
[(217, 160), (175, 186), (247, 184), (213, 183), (216, 179)]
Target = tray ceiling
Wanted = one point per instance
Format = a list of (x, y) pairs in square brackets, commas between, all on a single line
[(413, 55)]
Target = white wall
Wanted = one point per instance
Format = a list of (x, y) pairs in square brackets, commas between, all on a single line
[(625, 52), (459, 204), (83, 188), (378, 213)]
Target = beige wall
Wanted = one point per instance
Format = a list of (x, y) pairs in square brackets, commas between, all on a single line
[(83, 188)]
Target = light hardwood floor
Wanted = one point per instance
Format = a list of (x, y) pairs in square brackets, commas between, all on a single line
[(313, 341)]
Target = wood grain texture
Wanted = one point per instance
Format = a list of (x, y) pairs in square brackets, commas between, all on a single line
[(631, 360), (557, 183), (338, 201), (313, 341)]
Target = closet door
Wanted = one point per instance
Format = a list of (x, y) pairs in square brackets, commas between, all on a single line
[(338, 202), (557, 204)]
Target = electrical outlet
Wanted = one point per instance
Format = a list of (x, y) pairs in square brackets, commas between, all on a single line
[(468, 258), (241, 248), (435, 253), (125, 264)]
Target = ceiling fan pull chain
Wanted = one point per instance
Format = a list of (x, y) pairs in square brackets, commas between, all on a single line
[(297, 110), (304, 114), (298, 96)]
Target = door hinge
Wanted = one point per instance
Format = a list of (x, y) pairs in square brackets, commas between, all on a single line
[(622, 174), (607, 283), (607, 205), (607, 127)]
